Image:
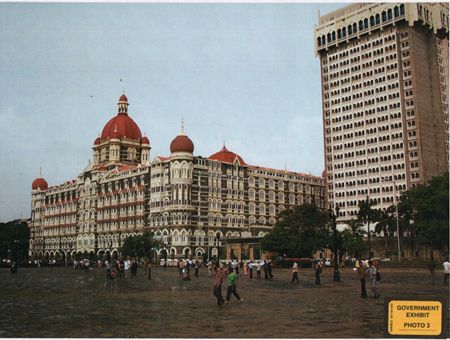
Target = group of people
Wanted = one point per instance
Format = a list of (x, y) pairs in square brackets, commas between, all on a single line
[(126, 268), (231, 274), (185, 266), (368, 270), (317, 266)]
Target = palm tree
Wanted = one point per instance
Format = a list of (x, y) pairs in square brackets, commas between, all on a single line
[(366, 215), (385, 223)]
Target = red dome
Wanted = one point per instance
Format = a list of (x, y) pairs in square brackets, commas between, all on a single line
[(226, 156), (39, 183), (182, 143), (97, 141), (121, 126), (123, 98), (145, 140), (324, 173)]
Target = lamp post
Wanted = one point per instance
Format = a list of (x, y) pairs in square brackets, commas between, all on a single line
[(332, 214), (386, 179)]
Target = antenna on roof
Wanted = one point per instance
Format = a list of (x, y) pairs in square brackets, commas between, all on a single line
[(40, 171), (182, 125)]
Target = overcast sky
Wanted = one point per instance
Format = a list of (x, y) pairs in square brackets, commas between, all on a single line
[(245, 74)]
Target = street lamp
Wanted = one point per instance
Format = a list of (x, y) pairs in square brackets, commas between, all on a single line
[(332, 214), (386, 179)]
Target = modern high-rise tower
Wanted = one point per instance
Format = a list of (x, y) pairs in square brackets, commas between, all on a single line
[(384, 76)]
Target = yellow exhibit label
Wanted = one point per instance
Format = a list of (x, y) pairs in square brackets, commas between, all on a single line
[(414, 317)]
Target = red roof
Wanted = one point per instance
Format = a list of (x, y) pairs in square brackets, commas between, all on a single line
[(39, 183), (145, 140), (182, 143), (121, 126), (123, 98), (97, 141), (324, 173), (226, 156)]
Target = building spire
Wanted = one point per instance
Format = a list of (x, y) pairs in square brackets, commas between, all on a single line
[(182, 126), (40, 171)]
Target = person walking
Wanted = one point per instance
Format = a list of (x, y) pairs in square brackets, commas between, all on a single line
[(361, 272), (217, 291), (446, 266), (266, 276), (232, 278), (372, 274), (126, 266), (319, 268), (295, 272), (149, 270), (250, 269), (108, 270), (210, 267), (432, 269), (258, 270), (269, 269), (196, 267), (246, 269)]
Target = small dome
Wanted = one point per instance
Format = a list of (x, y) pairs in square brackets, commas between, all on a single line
[(182, 143), (145, 140), (123, 98), (226, 156), (324, 174), (39, 183), (97, 141)]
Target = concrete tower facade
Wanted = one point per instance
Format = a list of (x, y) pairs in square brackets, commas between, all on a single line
[(384, 76)]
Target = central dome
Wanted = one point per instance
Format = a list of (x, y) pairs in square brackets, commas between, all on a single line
[(122, 125)]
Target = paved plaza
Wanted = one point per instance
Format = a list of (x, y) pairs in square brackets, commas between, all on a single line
[(63, 303)]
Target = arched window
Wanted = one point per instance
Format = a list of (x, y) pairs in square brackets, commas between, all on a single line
[(366, 23), (355, 28), (383, 16), (377, 19), (344, 33), (318, 41), (339, 33), (372, 20), (396, 13), (361, 25), (402, 9), (333, 35), (389, 14), (328, 38), (349, 28), (323, 40)]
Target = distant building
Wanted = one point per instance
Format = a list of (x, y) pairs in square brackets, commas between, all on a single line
[(384, 76), (191, 203)]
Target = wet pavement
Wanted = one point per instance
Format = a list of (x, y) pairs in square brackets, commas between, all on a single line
[(64, 303)]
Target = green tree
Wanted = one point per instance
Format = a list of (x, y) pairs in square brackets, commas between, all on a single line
[(366, 215), (430, 212), (352, 238), (386, 224), (139, 245), (9, 233), (299, 232)]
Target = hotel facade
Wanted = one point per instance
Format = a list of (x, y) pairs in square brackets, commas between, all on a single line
[(384, 77), (191, 203)]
